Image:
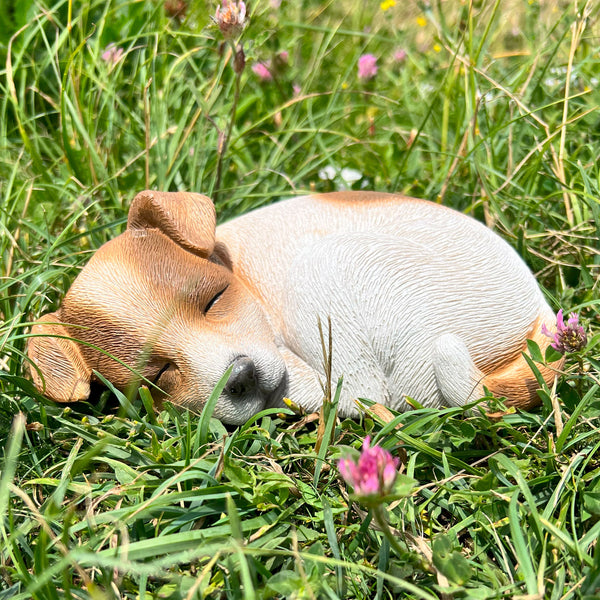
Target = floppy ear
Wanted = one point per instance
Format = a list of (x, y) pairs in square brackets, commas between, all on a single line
[(188, 219), (58, 370)]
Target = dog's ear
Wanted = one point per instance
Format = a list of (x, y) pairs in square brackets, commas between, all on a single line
[(188, 219), (58, 370)]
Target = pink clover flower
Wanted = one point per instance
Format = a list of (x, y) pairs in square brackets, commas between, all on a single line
[(374, 474), (367, 67), (262, 70)]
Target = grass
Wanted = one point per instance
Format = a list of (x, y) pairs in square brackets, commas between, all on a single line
[(493, 111)]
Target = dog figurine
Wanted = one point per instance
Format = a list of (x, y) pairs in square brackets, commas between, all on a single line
[(425, 303)]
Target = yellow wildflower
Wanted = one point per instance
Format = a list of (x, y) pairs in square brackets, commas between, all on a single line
[(387, 4)]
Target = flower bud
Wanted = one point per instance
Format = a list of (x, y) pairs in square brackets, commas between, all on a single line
[(239, 60)]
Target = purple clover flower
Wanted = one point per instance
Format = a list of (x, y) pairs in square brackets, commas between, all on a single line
[(568, 338), (373, 475)]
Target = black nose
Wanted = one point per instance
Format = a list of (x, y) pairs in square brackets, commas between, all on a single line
[(243, 377)]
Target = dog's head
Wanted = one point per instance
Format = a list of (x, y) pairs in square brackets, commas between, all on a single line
[(161, 302)]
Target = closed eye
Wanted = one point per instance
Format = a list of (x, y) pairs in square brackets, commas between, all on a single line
[(214, 299), (163, 370)]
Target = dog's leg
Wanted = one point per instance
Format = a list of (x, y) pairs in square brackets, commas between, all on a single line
[(458, 378)]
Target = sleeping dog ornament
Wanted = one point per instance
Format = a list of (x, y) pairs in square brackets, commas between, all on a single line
[(424, 302)]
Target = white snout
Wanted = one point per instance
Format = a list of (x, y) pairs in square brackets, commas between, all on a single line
[(258, 379)]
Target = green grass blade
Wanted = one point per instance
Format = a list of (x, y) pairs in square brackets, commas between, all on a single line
[(209, 407)]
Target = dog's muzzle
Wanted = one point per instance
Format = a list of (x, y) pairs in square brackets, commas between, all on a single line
[(243, 379)]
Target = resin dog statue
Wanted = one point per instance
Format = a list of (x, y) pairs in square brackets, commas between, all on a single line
[(425, 303)]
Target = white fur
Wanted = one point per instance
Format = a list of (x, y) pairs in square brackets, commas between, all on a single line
[(414, 292)]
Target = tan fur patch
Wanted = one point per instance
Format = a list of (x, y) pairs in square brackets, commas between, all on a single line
[(515, 381)]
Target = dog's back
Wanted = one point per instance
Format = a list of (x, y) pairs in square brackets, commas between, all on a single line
[(406, 278)]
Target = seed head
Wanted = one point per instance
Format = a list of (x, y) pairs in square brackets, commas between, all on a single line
[(231, 18)]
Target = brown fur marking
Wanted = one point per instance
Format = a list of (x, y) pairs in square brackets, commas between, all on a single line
[(515, 381)]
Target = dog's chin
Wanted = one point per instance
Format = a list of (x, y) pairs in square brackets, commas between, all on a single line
[(236, 411)]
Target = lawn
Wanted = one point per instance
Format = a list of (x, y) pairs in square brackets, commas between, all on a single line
[(487, 107)]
